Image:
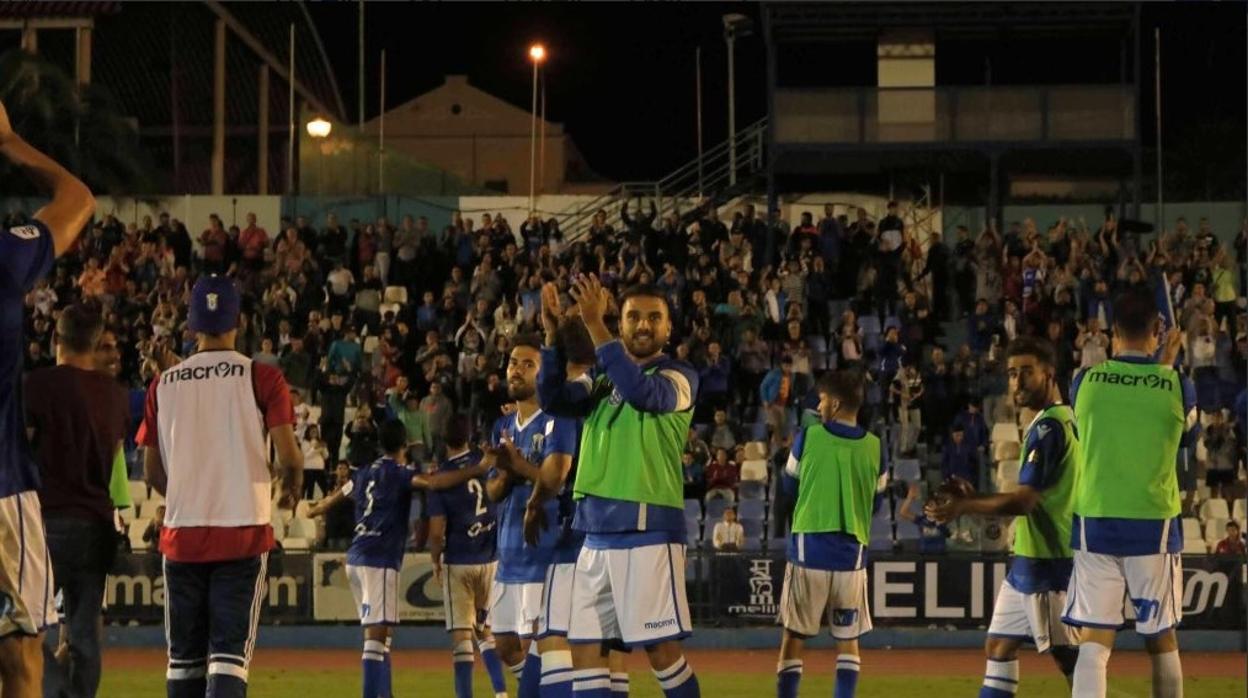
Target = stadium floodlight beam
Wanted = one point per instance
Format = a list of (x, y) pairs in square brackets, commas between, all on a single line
[(537, 54), (735, 25), (319, 128)]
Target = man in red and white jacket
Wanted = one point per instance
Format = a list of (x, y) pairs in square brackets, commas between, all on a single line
[(204, 428)]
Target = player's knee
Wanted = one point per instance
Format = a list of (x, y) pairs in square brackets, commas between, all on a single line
[(1166, 642), (1001, 649), (664, 654)]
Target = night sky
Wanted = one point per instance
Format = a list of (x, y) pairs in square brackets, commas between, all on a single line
[(620, 76)]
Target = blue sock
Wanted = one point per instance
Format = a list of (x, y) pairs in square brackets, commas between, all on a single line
[(493, 666), (388, 677), (1000, 679), (591, 683), (788, 677), (847, 666), (463, 659), (619, 684), (226, 686), (374, 661), (531, 675), (678, 680), (556, 674)]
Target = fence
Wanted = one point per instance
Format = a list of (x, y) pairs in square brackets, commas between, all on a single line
[(725, 589)]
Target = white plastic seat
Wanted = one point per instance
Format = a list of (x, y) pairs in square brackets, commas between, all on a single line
[(1004, 432), (295, 543), (1214, 509), (301, 528), (1006, 450), (1215, 530), (1007, 476), (755, 450), (754, 471), (395, 294), (135, 534), (138, 491)]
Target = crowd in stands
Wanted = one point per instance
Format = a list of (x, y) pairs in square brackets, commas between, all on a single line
[(372, 319)]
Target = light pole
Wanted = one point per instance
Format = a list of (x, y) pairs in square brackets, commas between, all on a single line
[(537, 54), (319, 129), (735, 25)]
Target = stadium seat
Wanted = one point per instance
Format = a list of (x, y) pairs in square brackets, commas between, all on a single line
[(395, 294), (1191, 529), (758, 431), (1025, 415), (127, 515), (370, 344), (389, 308), (1239, 511), (295, 544), (754, 471), (1214, 509), (752, 545), (906, 469), (279, 529), (693, 509), (138, 491), (1003, 432), (751, 510), (284, 515), (754, 530), (871, 341), (1006, 450), (755, 450), (693, 536), (869, 324), (301, 528), (774, 544), (301, 509), (881, 530), (1007, 476), (715, 508), (752, 490), (1215, 530), (135, 533), (1194, 546)]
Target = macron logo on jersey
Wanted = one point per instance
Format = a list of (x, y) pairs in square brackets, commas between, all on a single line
[(25, 232), (1153, 381), (224, 369)]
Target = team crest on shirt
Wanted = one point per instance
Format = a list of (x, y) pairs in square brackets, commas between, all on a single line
[(615, 397), (535, 447), (25, 232), (214, 301)]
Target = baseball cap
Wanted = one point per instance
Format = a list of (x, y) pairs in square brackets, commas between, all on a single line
[(214, 305)]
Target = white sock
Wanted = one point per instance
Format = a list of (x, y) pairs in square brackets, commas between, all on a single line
[(517, 669), (1002, 675), (1089, 679), (1167, 675), (556, 666)]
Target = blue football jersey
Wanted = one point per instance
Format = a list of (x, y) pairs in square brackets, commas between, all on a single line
[(568, 545), (383, 503), (471, 528), (26, 254), (541, 436)]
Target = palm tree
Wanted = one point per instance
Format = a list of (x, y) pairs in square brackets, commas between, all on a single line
[(81, 128)]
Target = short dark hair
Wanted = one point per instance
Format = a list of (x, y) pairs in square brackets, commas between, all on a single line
[(1135, 311), (458, 431), (643, 291), (574, 341), (526, 340), (393, 436), (844, 385), (1039, 348), (79, 328)]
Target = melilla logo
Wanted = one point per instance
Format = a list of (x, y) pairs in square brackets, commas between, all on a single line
[(1151, 380)]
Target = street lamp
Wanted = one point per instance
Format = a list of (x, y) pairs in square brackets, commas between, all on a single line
[(735, 25), (537, 54), (319, 129)]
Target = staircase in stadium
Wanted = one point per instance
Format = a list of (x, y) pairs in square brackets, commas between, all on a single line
[(720, 175)]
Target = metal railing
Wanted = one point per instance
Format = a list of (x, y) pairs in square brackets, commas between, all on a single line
[(722, 173)]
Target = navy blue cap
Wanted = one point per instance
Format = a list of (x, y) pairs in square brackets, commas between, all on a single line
[(214, 305)]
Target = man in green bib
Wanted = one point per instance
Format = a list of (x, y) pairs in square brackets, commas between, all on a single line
[(629, 583), (1030, 602), (838, 473), (1133, 412)]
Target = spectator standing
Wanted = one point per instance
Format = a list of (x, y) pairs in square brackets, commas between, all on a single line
[(314, 457), (438, 410), (78, 417), (1222, 455), (362, 438), (252, 243), (728, 535), (960, 458)]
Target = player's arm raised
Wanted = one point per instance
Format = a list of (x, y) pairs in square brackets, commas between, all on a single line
[(72, 203), (666, 391), (555, 393), (452, 478)]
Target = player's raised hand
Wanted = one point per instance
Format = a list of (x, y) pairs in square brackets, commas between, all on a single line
[(551, 312), (592, 300), (1171, 344), (534, 522)]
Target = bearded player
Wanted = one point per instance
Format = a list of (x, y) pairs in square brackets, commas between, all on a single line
[(1033, 595)]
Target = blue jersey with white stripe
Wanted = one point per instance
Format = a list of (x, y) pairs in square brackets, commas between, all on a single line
[(471, 526), (383, 504), (541, 436), (26, 254), (568, 545)]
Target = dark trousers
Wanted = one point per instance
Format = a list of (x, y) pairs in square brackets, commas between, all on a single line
[(316, 478), (212, 612), (82, 552)]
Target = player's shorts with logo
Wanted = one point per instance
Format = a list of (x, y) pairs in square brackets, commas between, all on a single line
[(27, 594), (376, 592), (1036, 618), (1153, 584), (635, 595), (515, 607), (810, 594), (556, 613), (466, 593)]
